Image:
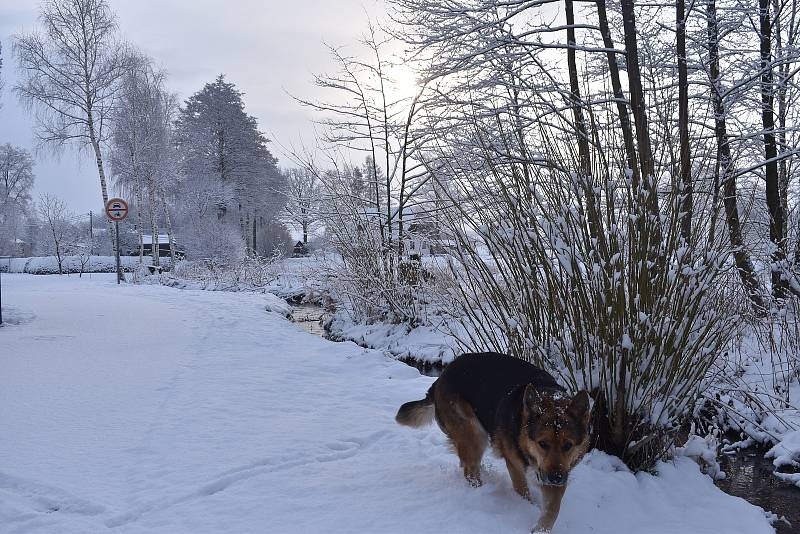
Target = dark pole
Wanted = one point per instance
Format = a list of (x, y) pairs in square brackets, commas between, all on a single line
[(91, 235), (8, 263), (119, 266)]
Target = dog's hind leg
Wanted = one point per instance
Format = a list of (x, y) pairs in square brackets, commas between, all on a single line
[(458, 420)]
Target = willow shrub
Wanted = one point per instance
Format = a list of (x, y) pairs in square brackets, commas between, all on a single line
[(577, 275)]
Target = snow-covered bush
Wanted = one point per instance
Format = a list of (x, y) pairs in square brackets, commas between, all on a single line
[(69, 264), (370, 274), (704, 450), (248, 273), (588, 276), (209, 238)]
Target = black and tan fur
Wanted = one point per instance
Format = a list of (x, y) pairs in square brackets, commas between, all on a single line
[(520, 409)]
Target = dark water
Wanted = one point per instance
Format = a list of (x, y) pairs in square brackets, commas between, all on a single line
[(433, 369), (310, 316), (749, 475)]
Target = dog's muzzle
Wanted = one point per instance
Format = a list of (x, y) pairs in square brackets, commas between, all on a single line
[(555, 478)]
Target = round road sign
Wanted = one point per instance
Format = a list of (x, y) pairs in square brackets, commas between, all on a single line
[(116, 209)]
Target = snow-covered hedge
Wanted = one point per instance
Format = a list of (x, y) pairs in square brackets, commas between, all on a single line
[(70, 264)]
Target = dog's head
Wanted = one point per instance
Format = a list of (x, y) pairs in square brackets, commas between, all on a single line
[(555, 432)]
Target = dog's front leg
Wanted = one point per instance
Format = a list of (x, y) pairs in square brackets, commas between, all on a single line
[(551, 497), (516, 469)]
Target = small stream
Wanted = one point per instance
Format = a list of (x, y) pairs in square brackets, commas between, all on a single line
[(749, 474), (310, 316)]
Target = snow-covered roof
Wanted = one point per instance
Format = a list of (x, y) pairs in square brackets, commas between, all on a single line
[(147, 239)]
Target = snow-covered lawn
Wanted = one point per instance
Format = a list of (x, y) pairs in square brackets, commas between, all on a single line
[(152, 409)]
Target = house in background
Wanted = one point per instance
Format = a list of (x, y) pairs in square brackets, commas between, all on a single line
[(299, 250), (163, 247)]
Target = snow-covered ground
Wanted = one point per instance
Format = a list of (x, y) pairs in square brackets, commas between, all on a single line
[(152, 409)]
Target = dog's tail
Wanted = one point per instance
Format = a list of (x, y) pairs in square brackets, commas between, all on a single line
[(417, 413)]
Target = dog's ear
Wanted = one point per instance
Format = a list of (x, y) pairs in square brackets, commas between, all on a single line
[(579, 407), (534, 400)]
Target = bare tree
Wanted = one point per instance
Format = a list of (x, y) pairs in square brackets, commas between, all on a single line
[(54, 214), (16, 176), (16, 182), (363, 116), (687, 199), (726, 165), (70, 73), (141, 152), (303, 193), (777, 217)]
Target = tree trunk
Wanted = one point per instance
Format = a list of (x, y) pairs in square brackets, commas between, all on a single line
[(585, 171), (151, 200), (170, 236), (139, 218), (248, 235), (255, 235), (58, 250), (645, 193), (637, 94), (101, 171), (781, 94), (727, 178), (619, 96), (687, 193), (648, 217), (774, 204)]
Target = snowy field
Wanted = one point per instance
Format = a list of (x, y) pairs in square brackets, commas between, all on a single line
[(152, 409)]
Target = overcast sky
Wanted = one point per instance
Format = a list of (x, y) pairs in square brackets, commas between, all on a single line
[(265, 47)]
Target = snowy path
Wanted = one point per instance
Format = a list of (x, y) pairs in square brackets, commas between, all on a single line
[(240, 422)]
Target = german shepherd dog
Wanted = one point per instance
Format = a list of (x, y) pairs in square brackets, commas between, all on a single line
[(527, 416)]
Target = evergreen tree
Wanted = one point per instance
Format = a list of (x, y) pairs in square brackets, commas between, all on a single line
[(220, 144)]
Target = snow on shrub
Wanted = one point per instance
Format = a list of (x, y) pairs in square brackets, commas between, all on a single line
[(588, 276), (247, 273), (704, 451)]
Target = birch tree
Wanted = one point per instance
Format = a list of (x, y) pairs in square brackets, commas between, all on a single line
[(141, 137), (70, 71)]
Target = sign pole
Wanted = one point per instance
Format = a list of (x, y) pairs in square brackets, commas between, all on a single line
[(8, 262), (119, 266), (117, 210)]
